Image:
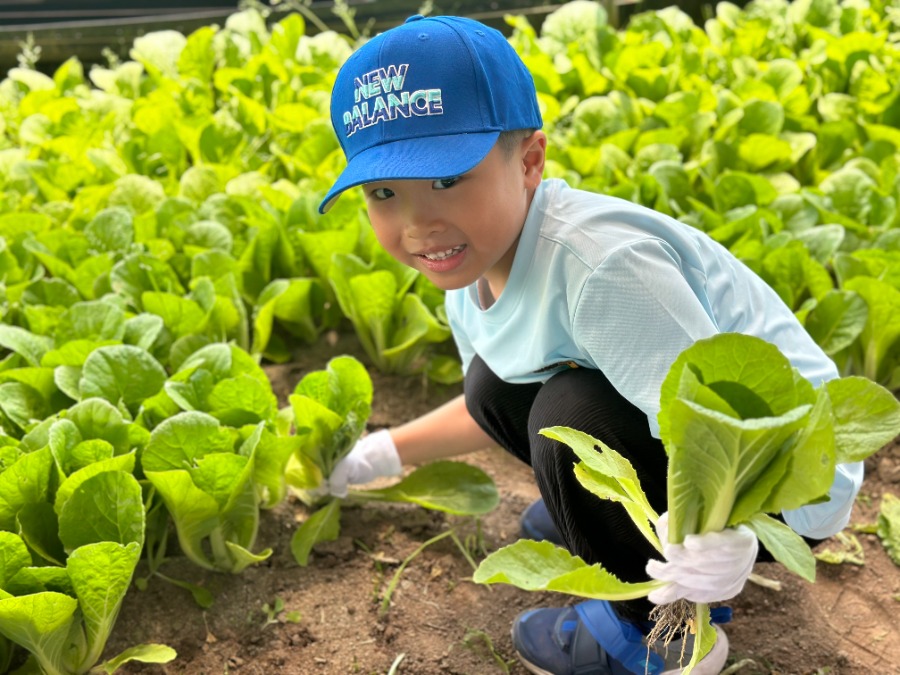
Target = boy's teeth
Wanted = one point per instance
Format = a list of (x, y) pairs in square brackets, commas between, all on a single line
[(441, 255)]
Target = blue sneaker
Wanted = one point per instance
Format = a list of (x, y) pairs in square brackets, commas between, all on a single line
[(590, 639), (536, 524)]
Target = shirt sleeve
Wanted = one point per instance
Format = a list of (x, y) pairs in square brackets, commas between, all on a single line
[(635, 315), (820, 521)]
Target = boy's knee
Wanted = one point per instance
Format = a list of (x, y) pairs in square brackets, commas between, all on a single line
[(567, 397), (551, 459)]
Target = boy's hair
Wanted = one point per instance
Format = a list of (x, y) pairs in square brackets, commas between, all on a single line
[(428, 99), (508, 141)]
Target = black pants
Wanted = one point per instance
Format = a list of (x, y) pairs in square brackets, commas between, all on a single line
[(597, 530)]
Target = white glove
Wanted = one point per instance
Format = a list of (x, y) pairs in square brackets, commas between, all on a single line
[(374, 456), (707, 567)]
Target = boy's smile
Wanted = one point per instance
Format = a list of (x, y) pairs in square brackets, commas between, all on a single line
[(456, 230), (443, 261)]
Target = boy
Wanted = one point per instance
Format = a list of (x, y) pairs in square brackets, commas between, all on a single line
[(567, 307)]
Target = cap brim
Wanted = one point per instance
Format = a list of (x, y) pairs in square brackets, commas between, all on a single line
[(426, 158)]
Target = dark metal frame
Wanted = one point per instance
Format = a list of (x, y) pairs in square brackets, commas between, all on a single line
[(84, 28)]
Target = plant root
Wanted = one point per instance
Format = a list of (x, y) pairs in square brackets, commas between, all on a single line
[(673, 621), (765, 582)]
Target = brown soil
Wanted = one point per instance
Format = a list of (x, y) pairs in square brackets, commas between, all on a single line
[(438, 621)]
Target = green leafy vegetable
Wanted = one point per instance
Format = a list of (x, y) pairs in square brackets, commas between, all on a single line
[(452, 487), (746, 436), (888, 526), (334, 405), (331, 407), (207, 488), (394, 327)]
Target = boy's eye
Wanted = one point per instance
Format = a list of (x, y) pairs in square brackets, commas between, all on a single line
[(382, 193), (444, 183)]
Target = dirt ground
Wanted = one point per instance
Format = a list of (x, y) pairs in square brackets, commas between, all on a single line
[(438, 621)]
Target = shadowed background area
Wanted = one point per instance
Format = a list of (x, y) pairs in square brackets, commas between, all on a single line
[(85, 28)]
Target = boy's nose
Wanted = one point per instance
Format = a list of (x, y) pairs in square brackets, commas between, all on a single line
[(423, 221)]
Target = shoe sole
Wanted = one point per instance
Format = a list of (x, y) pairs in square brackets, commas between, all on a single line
[(712, 663), (531, 668)]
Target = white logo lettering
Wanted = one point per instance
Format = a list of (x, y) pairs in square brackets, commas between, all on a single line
[(379, 97)]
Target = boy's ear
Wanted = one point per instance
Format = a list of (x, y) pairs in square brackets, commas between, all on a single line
[(533, 154)]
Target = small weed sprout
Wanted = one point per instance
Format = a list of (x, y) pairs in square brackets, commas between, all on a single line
[(395, 580), (275, 613), (478, 640), (29, 54), (378, 578), (473, 544)]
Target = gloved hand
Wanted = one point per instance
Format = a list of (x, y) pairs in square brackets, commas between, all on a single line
[(707, 567), (373, 456)]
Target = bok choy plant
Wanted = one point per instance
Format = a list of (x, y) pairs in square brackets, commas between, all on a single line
[(72, 525), (394, 325), (746, 436), (204, 473), (332, 406), (214, 459)]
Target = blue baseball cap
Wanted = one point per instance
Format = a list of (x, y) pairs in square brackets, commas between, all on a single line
[(427, 100)]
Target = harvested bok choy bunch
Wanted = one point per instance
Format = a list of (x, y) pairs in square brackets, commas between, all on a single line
[(746, 437)]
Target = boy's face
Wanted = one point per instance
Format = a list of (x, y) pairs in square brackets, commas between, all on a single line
[(459, 229)]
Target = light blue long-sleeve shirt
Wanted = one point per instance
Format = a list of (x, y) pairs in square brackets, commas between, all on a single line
[(614, 286)]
